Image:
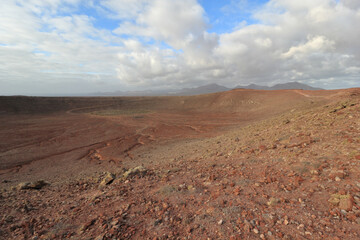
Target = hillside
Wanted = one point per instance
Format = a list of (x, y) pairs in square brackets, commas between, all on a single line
[(242, 164)]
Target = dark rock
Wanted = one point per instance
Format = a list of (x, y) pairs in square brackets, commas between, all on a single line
[(32, 185)]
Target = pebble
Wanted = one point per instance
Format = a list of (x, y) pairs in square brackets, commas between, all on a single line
[(300, 226)]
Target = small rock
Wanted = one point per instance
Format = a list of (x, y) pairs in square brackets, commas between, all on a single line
[(221, 222), (140, 171), (85, 226), (273, 201), (108, 179), (247, 226), (157, 222), (337, 179), (345, 202), (23, 185), (334, 199), (32, 185), (255, 230), (337, 173)]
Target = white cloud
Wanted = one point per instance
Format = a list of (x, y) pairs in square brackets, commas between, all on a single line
[(45, 50), (176, 22), (49, 46), (353, 4), (139, 64), (180, 24), (296, 40), (315, 45)]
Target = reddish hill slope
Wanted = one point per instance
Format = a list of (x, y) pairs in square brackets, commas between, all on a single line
[(235, 165)]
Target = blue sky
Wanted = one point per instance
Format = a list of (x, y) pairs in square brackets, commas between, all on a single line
[(224, 16), (80, 46)]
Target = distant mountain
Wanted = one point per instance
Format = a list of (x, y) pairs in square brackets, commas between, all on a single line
[(131, 93), (210, 88), (282, 86), (254, 86), (294, 85)]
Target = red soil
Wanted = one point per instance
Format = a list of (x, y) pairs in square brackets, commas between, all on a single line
[(232, 165)]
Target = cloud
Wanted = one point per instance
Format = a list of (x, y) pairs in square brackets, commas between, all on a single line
[(54, 45), (354, 4), (315, 45), (296, 40), (181, 25), (53, 54), (139, 64)]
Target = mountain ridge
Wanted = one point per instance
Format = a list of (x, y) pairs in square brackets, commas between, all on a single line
[(204, 89), (280, 86)]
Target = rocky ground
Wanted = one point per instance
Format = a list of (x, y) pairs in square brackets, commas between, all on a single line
[(292, 176)]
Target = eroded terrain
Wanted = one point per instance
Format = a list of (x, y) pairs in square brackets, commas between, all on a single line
[(243, 164)]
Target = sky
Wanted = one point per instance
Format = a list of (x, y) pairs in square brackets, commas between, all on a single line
[(85, 46)]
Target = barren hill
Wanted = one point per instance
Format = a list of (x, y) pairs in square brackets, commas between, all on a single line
[(242, 164), (281, 86), (234, 101)]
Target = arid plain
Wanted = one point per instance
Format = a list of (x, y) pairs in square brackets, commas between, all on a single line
[(241, 164)]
